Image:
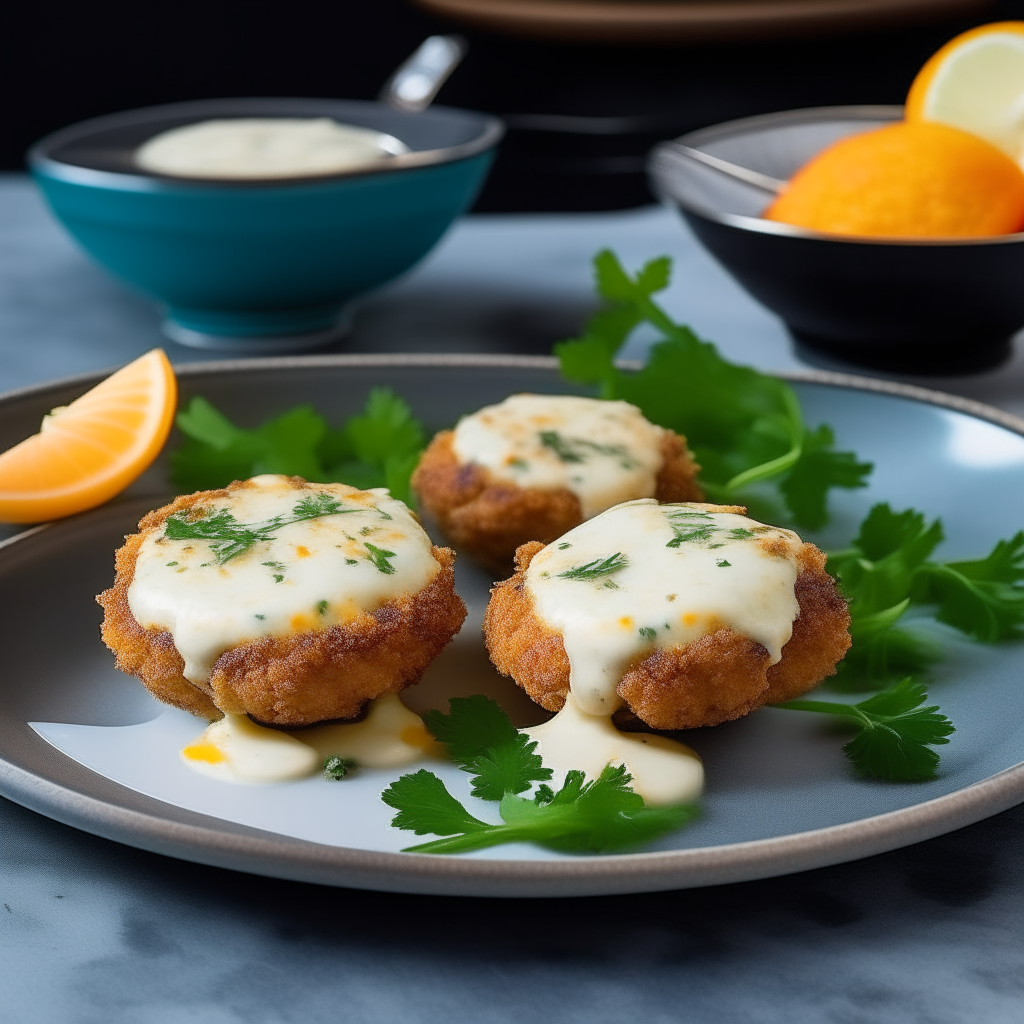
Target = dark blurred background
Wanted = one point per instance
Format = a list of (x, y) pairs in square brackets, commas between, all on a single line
[(581, 114)]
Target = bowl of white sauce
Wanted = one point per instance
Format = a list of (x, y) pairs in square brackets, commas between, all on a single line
[(256, 223)]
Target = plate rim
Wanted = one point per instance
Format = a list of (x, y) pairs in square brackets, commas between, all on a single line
[(213, 841)]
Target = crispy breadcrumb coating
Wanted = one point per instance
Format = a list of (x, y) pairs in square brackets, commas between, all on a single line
[(297, 679), (713, 679), (489, 518)]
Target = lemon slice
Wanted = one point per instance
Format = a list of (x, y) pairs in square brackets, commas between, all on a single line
[(976, 83)]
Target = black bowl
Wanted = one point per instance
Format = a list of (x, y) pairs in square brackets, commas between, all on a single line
[(918, 306)]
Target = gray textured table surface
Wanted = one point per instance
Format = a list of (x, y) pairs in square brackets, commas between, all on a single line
[(97, 933)]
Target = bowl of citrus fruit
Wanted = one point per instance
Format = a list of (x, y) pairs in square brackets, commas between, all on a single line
[(885, 236)]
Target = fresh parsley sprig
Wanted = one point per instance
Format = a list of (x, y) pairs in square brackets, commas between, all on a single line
[(876, 574), (229, 538), (895, 734), (982, 598), (888, 568), (482, 741), (743, 426), (377, 448), (581, 817)]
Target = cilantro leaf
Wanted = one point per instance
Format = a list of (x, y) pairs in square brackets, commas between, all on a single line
[(425, 806), (877, 576), (377, 448), (590, 359), (877, 572), (882, 653), (595, 817), (386, 427), (895, 734), (742, 426), (982, 598), (885, 532), (289, 444), (206, 424), (482, 741), (581, 817), (818, 469), (889, 566)]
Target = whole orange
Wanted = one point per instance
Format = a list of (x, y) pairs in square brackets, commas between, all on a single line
[(906, 180)]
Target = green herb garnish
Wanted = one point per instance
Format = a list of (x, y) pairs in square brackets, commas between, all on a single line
[(888, 568), (229, 538), (378, 448), (694, 533), (685, 530), (647, 633), (321, 607), (743, 426), (336, 768), (598, 568), (482, 741), (581, 817), (379, 557), (278, 569), (576, 449), (982, 598), (895, 735)]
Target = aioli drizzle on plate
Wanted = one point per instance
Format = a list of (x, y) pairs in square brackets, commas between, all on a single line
[(236, 749)]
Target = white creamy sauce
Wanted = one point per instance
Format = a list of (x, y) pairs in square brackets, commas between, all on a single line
[(603, 452), (644, 575), (236, 749), (265, 147), (663, 771), (390, 736), (305, 574)]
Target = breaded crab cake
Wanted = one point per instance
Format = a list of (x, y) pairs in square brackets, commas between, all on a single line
[(535, 466), (288, 601), (685, 615)]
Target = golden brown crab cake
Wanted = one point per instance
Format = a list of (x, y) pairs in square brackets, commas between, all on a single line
[(535, 466), (289, 601), (685, 615)]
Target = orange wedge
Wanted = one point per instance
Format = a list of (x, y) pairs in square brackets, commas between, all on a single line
[(906, 180), (976, 83), (92, 449)]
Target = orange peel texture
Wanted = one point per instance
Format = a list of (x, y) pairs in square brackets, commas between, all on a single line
[(906, 180)]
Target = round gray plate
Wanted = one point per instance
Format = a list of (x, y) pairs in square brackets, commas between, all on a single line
[(780, 797)]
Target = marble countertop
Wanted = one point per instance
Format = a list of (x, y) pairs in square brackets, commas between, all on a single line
[(96, 933)]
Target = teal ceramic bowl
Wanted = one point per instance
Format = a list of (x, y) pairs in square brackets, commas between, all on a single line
[(269, 264)]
